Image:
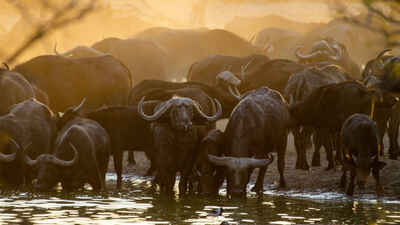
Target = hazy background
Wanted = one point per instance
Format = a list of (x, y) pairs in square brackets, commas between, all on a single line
[(124, 18)]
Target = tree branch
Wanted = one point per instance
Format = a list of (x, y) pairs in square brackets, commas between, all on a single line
[(55, 22)]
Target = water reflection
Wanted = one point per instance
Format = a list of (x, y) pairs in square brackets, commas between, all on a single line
[(139, 206)]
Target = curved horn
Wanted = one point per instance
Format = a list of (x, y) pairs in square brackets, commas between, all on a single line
[(256, 163), (65, 163), (7, 67), (157, 114), (235, 93), (26, 158), (220, 161), (240, 162), (7, 158), (210, 118), (339, 52), (75, 109), (301, 56), (244, 68), (325, 44), (383, 52)]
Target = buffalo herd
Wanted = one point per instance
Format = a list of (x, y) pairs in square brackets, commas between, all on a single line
[(62, 116)]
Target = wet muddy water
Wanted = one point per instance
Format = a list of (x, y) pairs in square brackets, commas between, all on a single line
[(138, 205)]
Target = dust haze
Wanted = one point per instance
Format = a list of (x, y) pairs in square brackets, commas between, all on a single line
[(125, 18)]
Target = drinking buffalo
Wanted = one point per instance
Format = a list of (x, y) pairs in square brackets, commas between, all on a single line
[(29, 123), (80, 155), (209, 176), (258, 126), (360, 145), (175, 136)]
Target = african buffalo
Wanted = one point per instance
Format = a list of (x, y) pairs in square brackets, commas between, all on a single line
[(298, 88), (273, 74), (258, 126), (278, 43), (143, 58), (29, 123), (329, 51), (158, 88), (209, 176), (80, 155), (14, 89), (102, 80), (327, 107), (175, 137), (224, 72), (360, 145), (186, 46), (381, 73)]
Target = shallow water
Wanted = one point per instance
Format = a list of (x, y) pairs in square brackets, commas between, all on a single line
[(140, 206)]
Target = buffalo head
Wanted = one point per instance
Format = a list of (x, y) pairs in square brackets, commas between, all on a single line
[(238, 171), (14, 147), (210, 177), (49, 168), (227, 80), (362, 164), (69, 114), (375, 67), (180, 111), (324, 50)]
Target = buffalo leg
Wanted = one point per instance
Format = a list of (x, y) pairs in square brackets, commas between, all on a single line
[(350, 189), (343, 179), (379, 189), (259, 186), (299, 142), (152, 168), (131, 158), (316, 159), (393, 133), (118, 166), (329, 153), (281, 163)]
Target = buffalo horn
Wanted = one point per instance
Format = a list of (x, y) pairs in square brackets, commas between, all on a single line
[(339, 52), (300, 56), (157, 114), (210, 118), (77, 108), (26, 157), (240, 162), (65, 163), (235, 92), (10, 157), (383, 52)]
